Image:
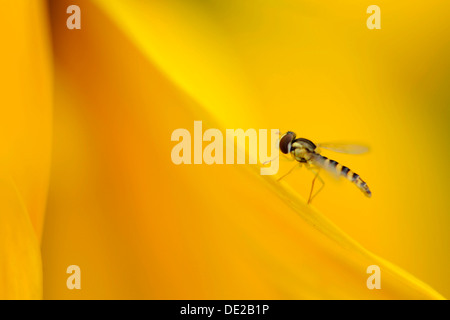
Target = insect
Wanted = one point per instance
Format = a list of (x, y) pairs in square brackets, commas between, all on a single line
[(307, 153)]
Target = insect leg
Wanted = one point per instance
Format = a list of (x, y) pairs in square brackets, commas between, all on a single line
[(297, 165), (269, 161), (311, 196)]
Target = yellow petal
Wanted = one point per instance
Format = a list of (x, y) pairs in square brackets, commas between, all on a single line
[(25, 138), (151, 229), (26, 94), (206, 55), (20, 263)]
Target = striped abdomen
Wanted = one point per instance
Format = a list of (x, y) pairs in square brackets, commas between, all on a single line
[(335, 167)]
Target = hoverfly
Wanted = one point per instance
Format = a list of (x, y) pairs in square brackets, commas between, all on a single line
[(307, 153)]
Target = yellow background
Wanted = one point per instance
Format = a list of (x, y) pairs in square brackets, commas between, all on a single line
[(141, 227)]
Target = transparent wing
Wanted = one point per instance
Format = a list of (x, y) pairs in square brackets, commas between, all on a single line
[(345, 147)]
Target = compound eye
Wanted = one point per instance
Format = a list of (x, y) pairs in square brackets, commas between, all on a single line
[(286, 141)]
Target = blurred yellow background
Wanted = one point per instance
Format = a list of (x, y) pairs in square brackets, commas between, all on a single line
[(141, 227)]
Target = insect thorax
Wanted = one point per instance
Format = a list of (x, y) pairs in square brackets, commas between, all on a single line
[(305, 143), (302, 149)]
